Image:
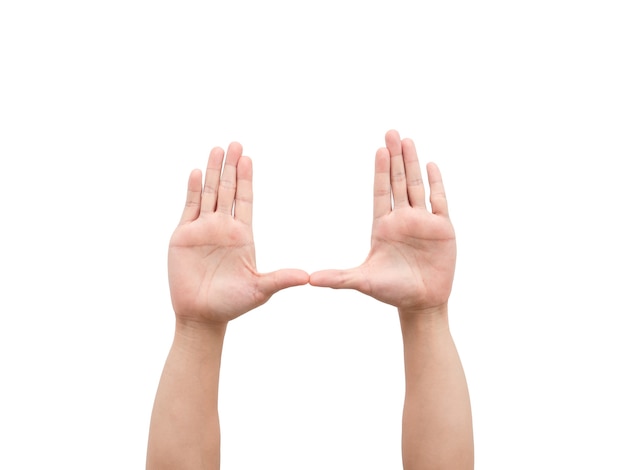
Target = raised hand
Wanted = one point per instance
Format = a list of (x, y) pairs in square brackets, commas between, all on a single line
[(413, 251), (212, 267)]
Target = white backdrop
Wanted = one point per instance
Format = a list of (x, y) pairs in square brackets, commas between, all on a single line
[(105, 107)]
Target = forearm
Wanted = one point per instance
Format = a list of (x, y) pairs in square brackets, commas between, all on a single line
[(184, 430), (437, 422)]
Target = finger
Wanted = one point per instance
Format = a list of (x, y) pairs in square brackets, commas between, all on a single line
[(243, 193), (382, 184), (438, 200), (338, 279), (194, 195), (228, 181), (398, 176), (212, 179), (270, 283), (414, 182)]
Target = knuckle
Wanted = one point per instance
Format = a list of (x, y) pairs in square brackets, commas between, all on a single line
[(398, 177), (243, 200), (227, 185), (415, 182)]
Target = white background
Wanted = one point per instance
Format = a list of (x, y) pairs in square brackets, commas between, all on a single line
[(105, 107)]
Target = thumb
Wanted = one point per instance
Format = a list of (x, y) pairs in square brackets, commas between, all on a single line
[(270, 283), (338, 279)]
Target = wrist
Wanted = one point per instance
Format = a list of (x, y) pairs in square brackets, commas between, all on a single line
[(198, 335), (425, 319)]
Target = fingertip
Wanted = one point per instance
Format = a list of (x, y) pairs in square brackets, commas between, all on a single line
[(333, 278), (216, 157), (245, 161), (302, 277), (438, 200), (315, 279), (392, 134), (434, 174), (194, 191), (408, 146), (243, 191), (195, 179), (216, 153), (235, 147), (233, 155), (297, 277), (382, 159), (244, 168), (283, 279)]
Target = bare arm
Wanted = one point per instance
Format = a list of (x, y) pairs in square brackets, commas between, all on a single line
[(185, 431), (411, 266), (213, 279)]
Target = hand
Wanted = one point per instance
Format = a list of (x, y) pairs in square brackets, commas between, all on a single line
[(413, 253), (212, 267)]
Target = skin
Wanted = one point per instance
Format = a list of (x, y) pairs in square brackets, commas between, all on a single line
[(411, 266), (211, 261), (213, 279)]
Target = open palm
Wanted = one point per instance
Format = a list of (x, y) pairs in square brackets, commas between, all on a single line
[(211, 260), (413, 251)]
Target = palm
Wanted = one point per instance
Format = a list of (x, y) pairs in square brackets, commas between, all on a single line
[(412, 257), (212, 269), (211, 260)]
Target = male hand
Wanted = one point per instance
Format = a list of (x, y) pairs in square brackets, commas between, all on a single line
[(413, 252), (212, 267)]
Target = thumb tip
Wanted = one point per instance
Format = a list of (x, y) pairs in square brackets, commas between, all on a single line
[(285, 278), (326, 278)]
